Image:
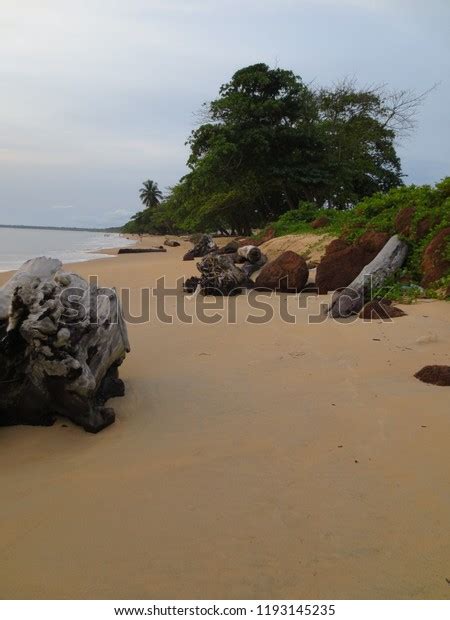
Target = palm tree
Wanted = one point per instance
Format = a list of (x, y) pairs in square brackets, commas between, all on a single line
[(150, 194)]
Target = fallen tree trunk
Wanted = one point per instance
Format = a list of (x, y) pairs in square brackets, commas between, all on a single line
[(61, 343), (230, 248), (141, 250), (352, 298), (249, 253), (220, 276), (251, 259)]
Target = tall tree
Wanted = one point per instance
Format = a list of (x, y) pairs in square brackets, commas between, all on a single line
[(262, 134), (150, 194), (269, 141), (360, 154)]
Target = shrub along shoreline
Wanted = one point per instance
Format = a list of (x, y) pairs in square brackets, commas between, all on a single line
[(419, 214)]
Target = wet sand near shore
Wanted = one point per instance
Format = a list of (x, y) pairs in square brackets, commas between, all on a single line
[(247, 461)]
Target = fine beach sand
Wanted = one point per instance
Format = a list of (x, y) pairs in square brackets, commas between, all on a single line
[(247, 461)]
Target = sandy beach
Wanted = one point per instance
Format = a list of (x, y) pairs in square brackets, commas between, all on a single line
[(247, 461)]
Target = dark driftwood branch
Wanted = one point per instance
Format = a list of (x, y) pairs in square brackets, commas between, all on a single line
[(141, 250), (205, 245), (220, 276), (351, 299), (61, 343)]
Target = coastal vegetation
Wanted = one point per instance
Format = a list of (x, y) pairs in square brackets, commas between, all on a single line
[(273, 153), (269, 142), (419, 214), (144, 221)]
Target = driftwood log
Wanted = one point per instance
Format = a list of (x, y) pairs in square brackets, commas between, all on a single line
[(205, 245), (141, 250), (251, 259), (352, 298), (249, 253), (230, 248), (171, 243), (220, 276), (61, 343)]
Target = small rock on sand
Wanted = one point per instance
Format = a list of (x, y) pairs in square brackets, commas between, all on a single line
[(436, 375)]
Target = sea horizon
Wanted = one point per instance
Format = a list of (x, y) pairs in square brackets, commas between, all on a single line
[(111, 229), (19, 244)]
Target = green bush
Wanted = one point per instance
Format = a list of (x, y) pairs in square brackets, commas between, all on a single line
[(430, 205), (299, 220)]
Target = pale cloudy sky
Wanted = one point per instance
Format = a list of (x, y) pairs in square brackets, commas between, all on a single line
[(99, 95)]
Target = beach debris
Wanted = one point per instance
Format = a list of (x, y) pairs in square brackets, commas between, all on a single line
[(352, 298), (226, 273), (342, 262), (435, 374), (288, 273), (62, 340), (142, 250), (205, 245), (191, 284), (250, 259), (230, 248), (171, 243), (250, 253), (220, 276), (380, 309)]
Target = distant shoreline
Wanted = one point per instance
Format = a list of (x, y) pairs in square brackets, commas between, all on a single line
[(17, 245), (69, 228)]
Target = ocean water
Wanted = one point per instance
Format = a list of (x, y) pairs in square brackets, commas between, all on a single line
[(19, 244)]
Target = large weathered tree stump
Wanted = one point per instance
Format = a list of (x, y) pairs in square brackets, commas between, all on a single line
[(220, 276), (352, 298), (62, 340)]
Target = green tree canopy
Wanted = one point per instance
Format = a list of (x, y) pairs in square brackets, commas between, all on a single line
[(269, 142)]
